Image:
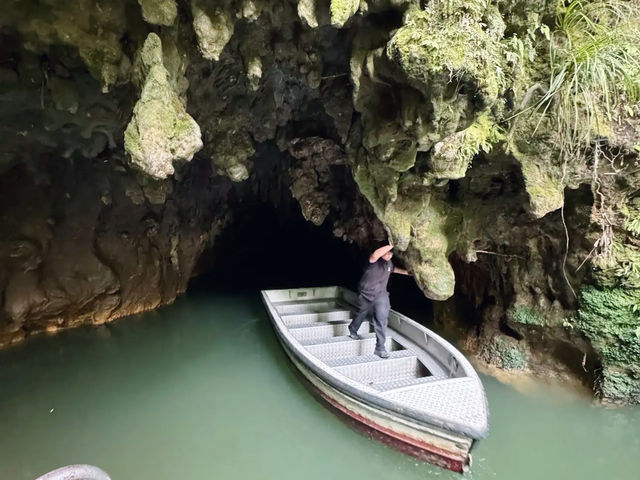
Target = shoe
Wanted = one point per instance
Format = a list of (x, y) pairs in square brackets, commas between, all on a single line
[(354, 336), (382, 353)]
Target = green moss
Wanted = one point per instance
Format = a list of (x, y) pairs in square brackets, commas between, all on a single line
[(610, 318), (505, 352), (343, 10), (526, 316), (451, 157), (160, 130), (621, 385), (447, 42), (159, 12)]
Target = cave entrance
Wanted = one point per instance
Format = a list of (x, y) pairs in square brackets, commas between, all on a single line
[(268, 247)]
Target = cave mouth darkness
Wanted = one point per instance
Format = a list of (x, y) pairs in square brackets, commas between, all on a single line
[(268, 247)]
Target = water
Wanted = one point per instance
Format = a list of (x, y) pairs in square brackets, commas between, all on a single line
[(202, 389)]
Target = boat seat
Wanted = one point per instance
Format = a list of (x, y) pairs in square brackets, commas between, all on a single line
[(307, 301), (340, 339), (324, 330), (296, 319), (309, 306), (343, 346), (340, 362), (384, 370), (319, 323), (406, 383)]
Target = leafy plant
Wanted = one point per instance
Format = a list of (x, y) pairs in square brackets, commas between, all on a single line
[(594, 62)]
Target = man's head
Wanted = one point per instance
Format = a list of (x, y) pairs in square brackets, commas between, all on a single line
[(387, 256)]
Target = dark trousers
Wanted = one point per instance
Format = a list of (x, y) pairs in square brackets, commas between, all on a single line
[(379, 307)]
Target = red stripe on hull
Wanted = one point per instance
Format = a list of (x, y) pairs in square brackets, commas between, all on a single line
[(411, 446)]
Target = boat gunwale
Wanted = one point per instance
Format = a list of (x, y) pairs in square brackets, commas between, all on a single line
[(369, 395)]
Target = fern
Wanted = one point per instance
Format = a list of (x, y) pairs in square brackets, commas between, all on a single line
[(594, 63)]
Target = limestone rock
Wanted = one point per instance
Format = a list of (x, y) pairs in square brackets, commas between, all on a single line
[(95, 32), (342, 11), (159, 12), (230, 148), (160, 130), (451, 156), (213, 27), (307, 12), (311, 176)]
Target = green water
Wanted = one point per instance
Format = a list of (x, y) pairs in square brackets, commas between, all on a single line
[(201, 390)]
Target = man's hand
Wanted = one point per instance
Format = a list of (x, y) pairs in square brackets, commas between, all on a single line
[(379, 253)]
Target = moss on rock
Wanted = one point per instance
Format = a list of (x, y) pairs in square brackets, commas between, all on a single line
[(530, 142), (342, 11), (159, 12), (445, 41), (526, 316), (507, 353), (620, 384), (610, 317), (160, 130), (451, 156), (231, 149), (213, 27)]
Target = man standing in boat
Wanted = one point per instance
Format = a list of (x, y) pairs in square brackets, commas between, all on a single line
[(374, 298)]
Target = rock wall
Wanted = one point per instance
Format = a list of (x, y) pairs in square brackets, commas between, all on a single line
[(85, 244), (506, 177)]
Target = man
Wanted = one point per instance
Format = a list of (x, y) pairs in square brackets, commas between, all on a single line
[(374, 297)]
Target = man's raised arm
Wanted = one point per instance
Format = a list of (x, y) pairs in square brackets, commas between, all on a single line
[(379, 253)]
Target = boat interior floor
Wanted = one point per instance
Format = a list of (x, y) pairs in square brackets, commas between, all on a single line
[(321, 326)]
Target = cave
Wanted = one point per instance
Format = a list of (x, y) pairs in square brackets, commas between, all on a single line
[(270, 248), (151, 147)]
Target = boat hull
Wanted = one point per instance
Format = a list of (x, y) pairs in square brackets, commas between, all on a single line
[(425, 400), (423, 442)]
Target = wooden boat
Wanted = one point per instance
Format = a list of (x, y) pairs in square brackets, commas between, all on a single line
[(426, 397)]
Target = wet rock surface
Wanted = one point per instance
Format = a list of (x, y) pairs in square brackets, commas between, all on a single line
[(88, 244), (413, 120)]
